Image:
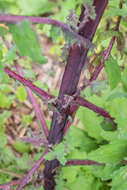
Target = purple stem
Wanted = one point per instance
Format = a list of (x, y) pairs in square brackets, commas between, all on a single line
[(36, 141), (85, 103), (41, 93), (3, 186), (35, 105), (32, 171), (99, 68), (82, 162), (18, 18)]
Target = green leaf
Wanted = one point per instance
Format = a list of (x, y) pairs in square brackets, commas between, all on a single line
[(70, 174), (11, 55), (5, 101), (77, 154), (3, 31), (3, 140), (110, 135), (28, 73), (32, 7), (58, 152), (21, 146), (21, 94), (113, 11), (85, 182), (113, 72), (27, 119), (118, 110), (3, 76), (119, 179), (24, 162), (107, 34), (111, 153), (91, 122), (55, 32), (124, 78), (5, 88), (7, 155), (27, 41), (104, 172), (4, 116), (78, 138)]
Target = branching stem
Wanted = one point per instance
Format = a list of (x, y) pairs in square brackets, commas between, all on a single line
[(8, 18)]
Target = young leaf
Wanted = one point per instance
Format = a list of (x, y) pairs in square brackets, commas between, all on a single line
[(113, 72), (27, 41)]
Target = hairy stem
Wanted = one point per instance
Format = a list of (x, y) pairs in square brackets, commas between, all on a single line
[(75, 63), (100, 66), (7, 18)]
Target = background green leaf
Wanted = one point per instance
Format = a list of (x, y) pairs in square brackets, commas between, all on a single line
[(113, 72), (27, 41)]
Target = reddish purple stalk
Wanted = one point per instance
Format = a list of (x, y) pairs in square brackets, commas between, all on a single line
[(85, 103), (18, 18), (35, 105), (32, 171), (99, 68), (29, 84), (12, 183), (82, 162), (79, 100), (33, 100)]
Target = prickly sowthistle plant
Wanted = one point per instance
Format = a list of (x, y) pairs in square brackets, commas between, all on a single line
[(82, 29)]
